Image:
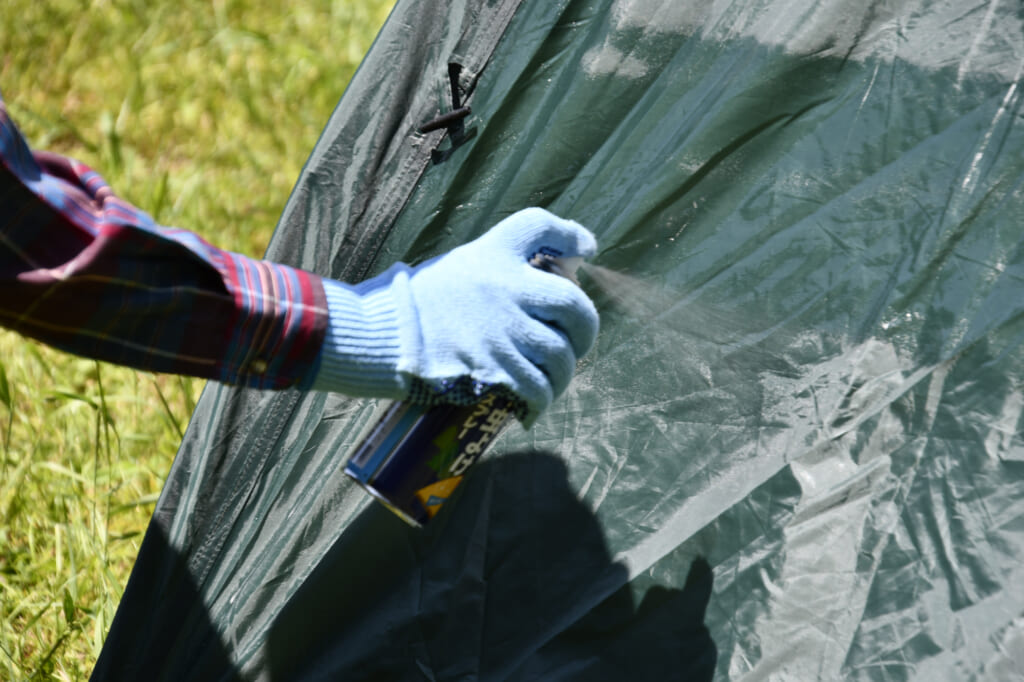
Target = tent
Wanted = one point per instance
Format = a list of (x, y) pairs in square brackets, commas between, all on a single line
[(795, 452)]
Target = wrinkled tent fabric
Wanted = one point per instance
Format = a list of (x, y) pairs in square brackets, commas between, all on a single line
[(795, 452)]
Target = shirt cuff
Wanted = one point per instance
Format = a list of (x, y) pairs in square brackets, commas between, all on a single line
[(362, 349)]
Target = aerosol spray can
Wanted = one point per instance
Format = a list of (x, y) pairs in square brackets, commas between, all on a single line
[(413, 457)]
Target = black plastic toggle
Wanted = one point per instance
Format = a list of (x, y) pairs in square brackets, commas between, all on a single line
[(453, 120), (445, 120)]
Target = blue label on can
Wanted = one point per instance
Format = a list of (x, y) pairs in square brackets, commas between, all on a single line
[(414, 457)]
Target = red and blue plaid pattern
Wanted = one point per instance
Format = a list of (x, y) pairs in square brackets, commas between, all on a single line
[(84, 271)]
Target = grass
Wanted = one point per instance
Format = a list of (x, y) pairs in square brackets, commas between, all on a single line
[(202, 113)]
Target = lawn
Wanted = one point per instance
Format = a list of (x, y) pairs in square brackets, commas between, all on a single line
[(201, 113)]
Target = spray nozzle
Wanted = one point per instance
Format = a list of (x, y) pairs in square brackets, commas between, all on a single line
[(564, 267)]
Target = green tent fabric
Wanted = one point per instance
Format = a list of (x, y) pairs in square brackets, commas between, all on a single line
[(795, 452)]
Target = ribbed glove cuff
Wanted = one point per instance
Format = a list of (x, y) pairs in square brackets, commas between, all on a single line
[(362, 349)]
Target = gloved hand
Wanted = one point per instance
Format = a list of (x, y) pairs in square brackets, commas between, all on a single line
[(470, 321)]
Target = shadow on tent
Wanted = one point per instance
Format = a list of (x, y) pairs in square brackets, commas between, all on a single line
[(503, 584)]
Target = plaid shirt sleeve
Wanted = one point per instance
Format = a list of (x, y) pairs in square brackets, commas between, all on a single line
[(86, 272)]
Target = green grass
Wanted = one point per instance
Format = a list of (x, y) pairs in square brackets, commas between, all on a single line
[(202, 113)]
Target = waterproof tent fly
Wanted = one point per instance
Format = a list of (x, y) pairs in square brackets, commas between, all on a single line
[(795, 452)]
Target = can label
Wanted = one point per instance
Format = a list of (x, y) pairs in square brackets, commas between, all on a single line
[(414, 457)]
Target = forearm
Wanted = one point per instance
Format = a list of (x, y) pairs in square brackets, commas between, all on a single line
[(83, 270)]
